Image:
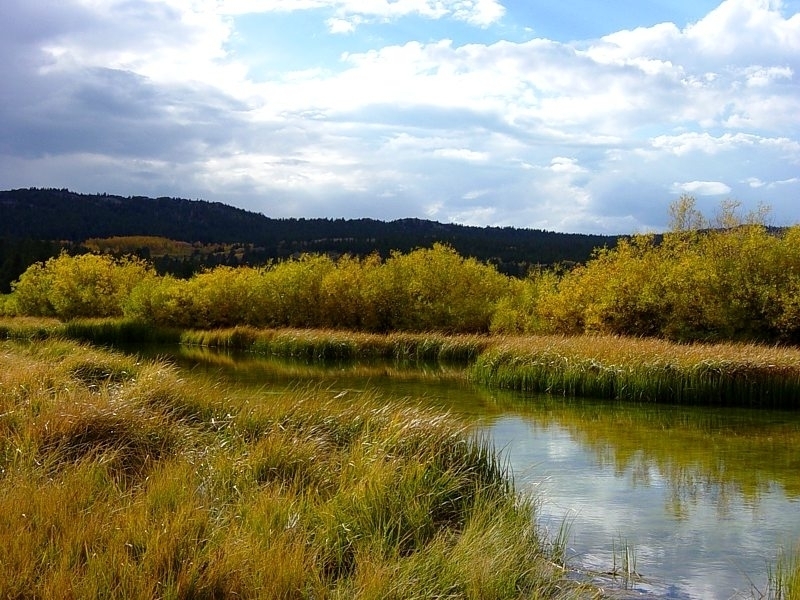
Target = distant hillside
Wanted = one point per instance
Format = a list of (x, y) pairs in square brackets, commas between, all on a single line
[(61, 215)]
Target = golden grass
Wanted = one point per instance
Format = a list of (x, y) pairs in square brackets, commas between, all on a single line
[(644, 369), (120, 479), (599, 366)]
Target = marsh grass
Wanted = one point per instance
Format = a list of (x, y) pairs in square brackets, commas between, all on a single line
[(119, 479), (28, 328), (613, 367), (119, 332), (320, 344), (644, 370), (784, 576), (624, 563)]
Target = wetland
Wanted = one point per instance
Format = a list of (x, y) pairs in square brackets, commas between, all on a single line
[(653, 500)]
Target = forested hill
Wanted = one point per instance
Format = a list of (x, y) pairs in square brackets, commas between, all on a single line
[(52, 214)]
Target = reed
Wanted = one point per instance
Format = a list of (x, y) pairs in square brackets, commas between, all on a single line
[(321, 345), (624, 368), (118, 332), (28, 328), (644, 370), (119, 479), (784, 576)]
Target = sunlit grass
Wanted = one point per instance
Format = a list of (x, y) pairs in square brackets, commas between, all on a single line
[(644, 369), (120, 479), (784, 576), (626, 368), (316, 344)]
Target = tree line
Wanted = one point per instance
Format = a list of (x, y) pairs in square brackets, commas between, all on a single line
[(71, 218), (728, 279)]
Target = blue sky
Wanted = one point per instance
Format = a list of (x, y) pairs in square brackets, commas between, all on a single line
[(581, 116)]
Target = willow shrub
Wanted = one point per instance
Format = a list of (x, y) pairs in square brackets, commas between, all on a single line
[(437, 289), (89, 285), (737, 282), (518, 310), (619, 291), (732, 284), (164, 301), (433, 289)]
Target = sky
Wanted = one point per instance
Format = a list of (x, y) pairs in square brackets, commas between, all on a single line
[(581, 116)]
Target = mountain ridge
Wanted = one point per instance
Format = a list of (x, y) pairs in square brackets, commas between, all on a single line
[(61, 215)]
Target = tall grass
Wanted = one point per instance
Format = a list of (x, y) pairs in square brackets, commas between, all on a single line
[(644, 370), (28, 328), (624, 368), (316, 344), (784, 576), (119, 332), (119, 479)]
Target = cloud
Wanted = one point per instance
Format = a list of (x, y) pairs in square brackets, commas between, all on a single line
[(754, 182), (702, 188), (758, 76), (337, 25), (706, 143), (480, 13), (169, 97), (461, 154), (565, 165)]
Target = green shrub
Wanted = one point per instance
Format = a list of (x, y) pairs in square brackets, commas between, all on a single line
[(89, 285)]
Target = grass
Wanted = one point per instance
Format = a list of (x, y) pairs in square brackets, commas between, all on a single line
[(612, 367), (644, 370), (784, 577), (120, 479), (28, 328), (337, 345)]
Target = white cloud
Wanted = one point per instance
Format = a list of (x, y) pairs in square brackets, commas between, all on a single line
[(480, 13), (461, 154), (754, 182), (758, 76), (476, 217), (164, 96), (474, 194), (706, 143), (743, 28), (336, 25), (565, 165), (702, 188)]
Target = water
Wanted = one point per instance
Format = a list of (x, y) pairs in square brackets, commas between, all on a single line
[(698, 501), (695, 532)]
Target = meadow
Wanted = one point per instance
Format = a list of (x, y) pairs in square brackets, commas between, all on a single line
[(119, 479), (597, 366)]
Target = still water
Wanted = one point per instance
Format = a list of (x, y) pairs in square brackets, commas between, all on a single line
[(699, 501)]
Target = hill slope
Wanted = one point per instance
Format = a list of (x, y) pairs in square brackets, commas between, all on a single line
[(51, 214)]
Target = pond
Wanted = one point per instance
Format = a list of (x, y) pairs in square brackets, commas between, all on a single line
[(657, 501)]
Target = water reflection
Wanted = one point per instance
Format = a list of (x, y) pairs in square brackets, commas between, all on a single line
[(705, 497)]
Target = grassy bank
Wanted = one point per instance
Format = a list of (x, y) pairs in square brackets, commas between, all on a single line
[(643, 369), (118, 479), (333, 345), (613, 367)]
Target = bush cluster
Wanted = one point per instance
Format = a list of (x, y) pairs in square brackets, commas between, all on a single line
[(731, 279), (427, 289)]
